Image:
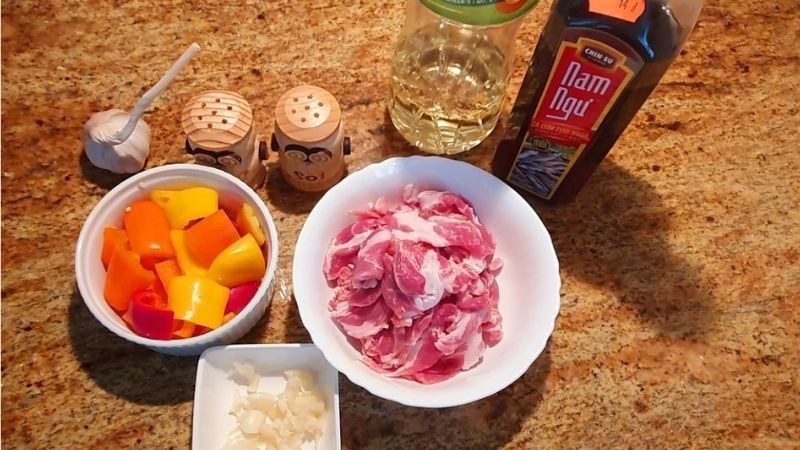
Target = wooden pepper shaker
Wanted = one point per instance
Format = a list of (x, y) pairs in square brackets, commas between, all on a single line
[(309, 138), (221, 132)]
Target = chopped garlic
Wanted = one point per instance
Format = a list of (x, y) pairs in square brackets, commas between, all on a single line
[(282, 421), (249, 374)]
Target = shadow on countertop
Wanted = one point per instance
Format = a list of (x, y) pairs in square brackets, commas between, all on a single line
[(614, 235), (99, 177), (131, 371), (286, 198), (125, 369), (369, 422)]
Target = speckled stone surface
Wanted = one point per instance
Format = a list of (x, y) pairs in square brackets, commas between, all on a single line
[(680, 320)]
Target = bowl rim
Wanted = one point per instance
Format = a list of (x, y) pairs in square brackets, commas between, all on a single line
[(204, 339), (362, 379)]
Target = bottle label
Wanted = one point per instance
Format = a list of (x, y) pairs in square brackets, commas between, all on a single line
[(586, 79), (480, 12), (627, 10)]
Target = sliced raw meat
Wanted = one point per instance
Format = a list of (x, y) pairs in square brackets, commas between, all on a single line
[(397, 301), (368, 269), (414, 286), (420, 273), (360, 322)]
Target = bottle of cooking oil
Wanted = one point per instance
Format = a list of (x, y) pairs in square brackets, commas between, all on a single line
[(450, 70)]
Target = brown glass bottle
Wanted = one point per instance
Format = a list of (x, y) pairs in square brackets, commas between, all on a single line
[(592, 70)]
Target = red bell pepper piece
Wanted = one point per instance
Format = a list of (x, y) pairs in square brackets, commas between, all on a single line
[(200, 330), (148, 230), (149, 318), (240, 296)]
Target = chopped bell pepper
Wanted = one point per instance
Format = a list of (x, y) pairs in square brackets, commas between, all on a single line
[(186, 263), (228, 317), (207, 238), (198, 300), (149, 319), (159, 293), (247, 222), (240, 263), (240, 296), (200, 330), (183, 329), (167, 270), (125, 276), (148, 230), (161, 196), (127, 318), (113, 239), (190, 204)]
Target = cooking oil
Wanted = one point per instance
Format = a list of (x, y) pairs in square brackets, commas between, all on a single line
[(447, 85)]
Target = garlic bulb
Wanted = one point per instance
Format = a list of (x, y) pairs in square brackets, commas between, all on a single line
[(120, 142), (126, 157)]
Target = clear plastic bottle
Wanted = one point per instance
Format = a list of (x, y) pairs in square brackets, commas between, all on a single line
[(450, 70)]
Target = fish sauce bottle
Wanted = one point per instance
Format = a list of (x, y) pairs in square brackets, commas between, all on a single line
[(594, 66)]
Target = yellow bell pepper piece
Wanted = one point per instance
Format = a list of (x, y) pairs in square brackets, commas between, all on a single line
[(187, 205), (161, 197), (198, 300), (241, 262), (247, 222), (185, 261)]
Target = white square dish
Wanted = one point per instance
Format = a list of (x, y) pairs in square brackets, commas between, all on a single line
[(215, 387)]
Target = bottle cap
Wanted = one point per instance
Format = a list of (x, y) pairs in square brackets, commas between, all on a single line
[(484, 12)]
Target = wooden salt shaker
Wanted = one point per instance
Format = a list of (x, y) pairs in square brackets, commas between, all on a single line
[(221, 132), (309, 138)]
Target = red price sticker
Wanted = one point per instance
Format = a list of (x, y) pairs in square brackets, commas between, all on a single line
[(628, 10)]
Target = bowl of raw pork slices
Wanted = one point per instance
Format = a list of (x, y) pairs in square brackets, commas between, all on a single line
[(427, 281)]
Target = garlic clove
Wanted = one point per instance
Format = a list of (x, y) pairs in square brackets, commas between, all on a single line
[(127, 157)]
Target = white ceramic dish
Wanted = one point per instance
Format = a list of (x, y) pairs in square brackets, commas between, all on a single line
[(90, 273), (529, 283), (214, 388)]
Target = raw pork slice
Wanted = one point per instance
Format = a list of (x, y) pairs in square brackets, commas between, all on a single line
[(415, 285)]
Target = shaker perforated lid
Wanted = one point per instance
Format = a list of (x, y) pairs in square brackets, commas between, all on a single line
[(216, 120), (307, 114)]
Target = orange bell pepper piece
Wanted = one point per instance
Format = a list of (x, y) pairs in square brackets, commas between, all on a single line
[(128, 319), (183, 329), (113, 239), (209, 237), (167, 270), (125, 277), (228, 317), (148, 230)]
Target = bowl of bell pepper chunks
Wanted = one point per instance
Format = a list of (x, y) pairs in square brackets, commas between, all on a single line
[(178, 258)]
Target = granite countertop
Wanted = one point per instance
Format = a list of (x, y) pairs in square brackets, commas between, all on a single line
[(680, 307)]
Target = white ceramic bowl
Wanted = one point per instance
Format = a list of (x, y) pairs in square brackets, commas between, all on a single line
[(529, 283), (90, 273), (214, 388)]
